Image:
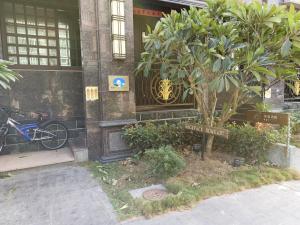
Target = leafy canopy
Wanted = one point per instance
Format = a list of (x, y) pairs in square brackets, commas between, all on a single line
[(7, 75), (227, 44)]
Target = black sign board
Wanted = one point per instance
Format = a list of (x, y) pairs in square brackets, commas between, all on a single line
[(208, 130), (268, 117)]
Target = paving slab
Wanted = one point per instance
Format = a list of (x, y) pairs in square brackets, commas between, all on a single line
[(55, 195), (34, 159)]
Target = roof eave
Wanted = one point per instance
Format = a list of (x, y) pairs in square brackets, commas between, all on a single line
[(195, 3)]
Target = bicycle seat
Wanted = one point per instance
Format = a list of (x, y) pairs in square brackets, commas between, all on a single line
[(40, 116)]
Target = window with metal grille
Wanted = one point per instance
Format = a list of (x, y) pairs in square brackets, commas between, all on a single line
[(118, 29), (40, 36)]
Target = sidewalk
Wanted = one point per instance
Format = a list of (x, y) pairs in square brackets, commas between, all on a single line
[(68, 195), (28, 160), (54, 195), (277, 204)]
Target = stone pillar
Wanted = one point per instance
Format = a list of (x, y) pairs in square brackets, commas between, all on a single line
[(106, 116)]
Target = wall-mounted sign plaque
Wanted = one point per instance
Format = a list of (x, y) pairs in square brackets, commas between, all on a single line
[(118, 83), (91, 93)]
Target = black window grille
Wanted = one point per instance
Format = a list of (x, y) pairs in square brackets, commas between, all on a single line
[(40, 36), (118, 29)]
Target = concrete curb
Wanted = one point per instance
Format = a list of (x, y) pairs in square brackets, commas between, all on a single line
[(277, 154)]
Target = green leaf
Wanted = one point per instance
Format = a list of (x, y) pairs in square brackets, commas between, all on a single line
[(234, 81), (257, 75), (297, 61), (269, 24), (259, 51), (275, 19), (185, 94), (255, 89), (291, 14), (217, 65), (285, 48), (227, 85), (296, 44), (181, 74)]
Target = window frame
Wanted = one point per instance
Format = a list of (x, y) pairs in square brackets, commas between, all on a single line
[(4, 45)]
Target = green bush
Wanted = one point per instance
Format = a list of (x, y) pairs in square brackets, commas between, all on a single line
[(142, 137), (149, 135), (295, 122), (164, 162), (262, 107), (248, 142)]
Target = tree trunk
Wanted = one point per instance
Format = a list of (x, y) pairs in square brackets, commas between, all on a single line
[(209, 144)]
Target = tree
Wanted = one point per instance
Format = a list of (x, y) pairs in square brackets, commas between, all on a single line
[(7, 75), (228, 47)]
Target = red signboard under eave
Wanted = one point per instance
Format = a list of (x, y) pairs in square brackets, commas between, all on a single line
[(147, 12)]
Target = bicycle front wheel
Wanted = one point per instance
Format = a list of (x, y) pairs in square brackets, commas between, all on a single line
[(54, 135)]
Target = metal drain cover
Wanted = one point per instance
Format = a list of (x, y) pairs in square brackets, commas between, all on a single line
[(154, 194)]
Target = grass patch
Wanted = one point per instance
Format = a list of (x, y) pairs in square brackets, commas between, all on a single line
[(117, 179), (4, 175), (200, 180)]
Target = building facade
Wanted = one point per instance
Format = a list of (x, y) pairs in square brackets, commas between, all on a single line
[(77, 59)]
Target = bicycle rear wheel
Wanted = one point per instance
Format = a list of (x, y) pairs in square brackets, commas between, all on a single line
[(3, 133), (54, 135), (2, 141)]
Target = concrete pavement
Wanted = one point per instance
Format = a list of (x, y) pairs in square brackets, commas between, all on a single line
[(277, 204), (68, 195), (56, 195)]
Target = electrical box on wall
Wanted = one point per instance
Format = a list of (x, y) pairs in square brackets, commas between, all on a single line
[(91, 93)]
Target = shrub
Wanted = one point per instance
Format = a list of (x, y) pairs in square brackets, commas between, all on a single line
[(262, 107), (248, 142), (164, 162), (295, 122), (149, 135), (142, 137)]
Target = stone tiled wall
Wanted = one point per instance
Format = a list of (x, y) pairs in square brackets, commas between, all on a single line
[(57, 92), (167, 115), (77, 132)]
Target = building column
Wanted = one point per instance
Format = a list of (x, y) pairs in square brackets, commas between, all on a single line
[(107, 115)]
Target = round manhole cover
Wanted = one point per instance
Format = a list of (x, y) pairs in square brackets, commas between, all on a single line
[(154, 194)]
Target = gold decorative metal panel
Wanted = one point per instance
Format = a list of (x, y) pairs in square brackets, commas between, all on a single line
[(164, 91)]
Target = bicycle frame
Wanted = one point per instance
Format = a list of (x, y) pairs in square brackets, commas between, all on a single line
[(24, 130)]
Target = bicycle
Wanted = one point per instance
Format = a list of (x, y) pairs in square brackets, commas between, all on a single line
[(50, 133)]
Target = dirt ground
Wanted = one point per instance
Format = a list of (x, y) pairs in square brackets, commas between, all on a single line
[(218, 165)]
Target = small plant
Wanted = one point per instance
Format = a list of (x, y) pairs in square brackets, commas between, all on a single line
[(164, 162), (295, 122), (262, 107)]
